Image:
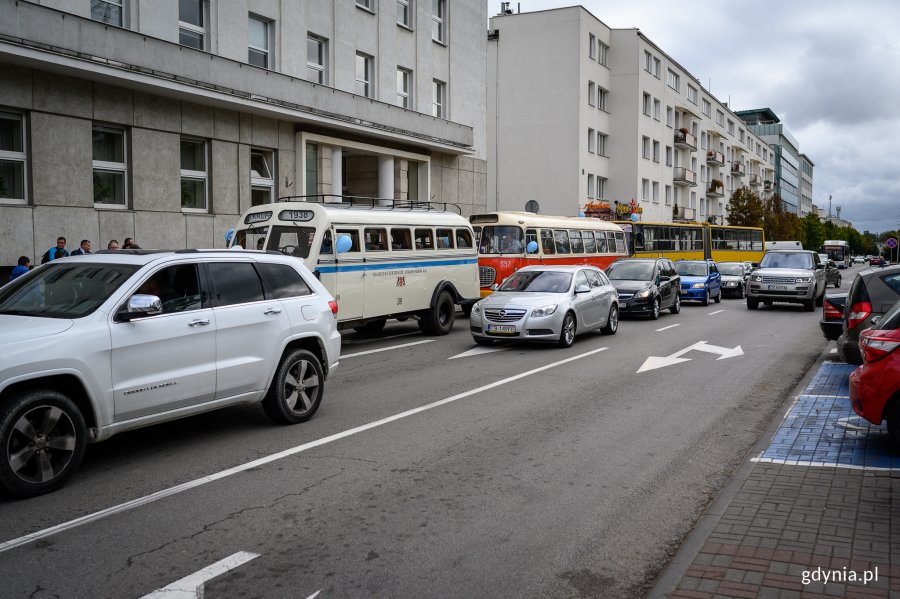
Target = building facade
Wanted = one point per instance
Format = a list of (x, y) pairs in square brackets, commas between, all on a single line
[(580, 113), (162, 120), (806, 185)]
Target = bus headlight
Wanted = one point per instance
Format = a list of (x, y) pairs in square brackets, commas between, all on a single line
[(543, 311)]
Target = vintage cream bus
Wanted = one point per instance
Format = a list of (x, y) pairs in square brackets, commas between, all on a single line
[(398, 260)]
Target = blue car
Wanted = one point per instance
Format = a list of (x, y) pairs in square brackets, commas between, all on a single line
[(700, 280)]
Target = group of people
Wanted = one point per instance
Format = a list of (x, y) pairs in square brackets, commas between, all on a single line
[(60, 251)]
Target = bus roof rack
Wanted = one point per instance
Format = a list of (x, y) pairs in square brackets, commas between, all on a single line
[(371, 203)]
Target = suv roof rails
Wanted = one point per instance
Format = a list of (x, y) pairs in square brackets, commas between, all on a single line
[(371, 203)]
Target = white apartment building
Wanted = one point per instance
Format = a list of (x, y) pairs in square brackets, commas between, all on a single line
[(163, 120), (581, 113)]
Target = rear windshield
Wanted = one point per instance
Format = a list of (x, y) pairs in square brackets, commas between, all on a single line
[(691, 269), (890, 320), (787, 260), (735, 270), (630, 271)]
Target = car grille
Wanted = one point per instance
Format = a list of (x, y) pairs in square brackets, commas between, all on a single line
[(779, 280), (486, 276), (508, 315), (540, 331), (625, 296)]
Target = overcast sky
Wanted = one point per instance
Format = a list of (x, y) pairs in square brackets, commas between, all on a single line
[(829, 69)]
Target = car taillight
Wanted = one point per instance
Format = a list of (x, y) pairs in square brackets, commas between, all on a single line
[(829, 311), (333, 305), (877, 344), (858, 313)]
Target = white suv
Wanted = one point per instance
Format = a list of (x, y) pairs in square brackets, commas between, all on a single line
[(94, 345)]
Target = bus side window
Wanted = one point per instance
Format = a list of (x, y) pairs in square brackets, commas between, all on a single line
[(757, 237), (327, 245), (562, 241), (445, 239), (575, 240), (463, 239), (376, 240), (530, 235), (354, 238), (590, 246), (620, 243), (600, 236), (400, 240), (547, 242), (424, 239)]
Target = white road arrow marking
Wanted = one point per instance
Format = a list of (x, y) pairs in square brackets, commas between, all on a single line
[(477, 351), (191, 587), (654, 362)]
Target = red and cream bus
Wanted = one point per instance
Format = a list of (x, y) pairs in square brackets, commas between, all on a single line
[(508, 241)]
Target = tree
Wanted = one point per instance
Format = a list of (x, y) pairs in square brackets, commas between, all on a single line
[(773, 216), (814, 232), (745, 208)]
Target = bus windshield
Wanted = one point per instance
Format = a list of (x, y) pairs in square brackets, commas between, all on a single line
[(501, 240), (292, 241)]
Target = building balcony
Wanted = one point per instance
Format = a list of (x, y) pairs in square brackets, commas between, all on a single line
[(684, 176), (715, 190), (715, 158), (755, 181), (738, 169), (682, 213), (768, 186), (685, 141)]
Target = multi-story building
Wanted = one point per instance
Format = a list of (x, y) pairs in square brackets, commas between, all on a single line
[(806, 185), (609, 118), (766, 124), (162, 120)]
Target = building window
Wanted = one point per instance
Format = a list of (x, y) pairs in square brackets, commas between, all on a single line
[(404, 91), (110, 166), (645, 189), (601, 187), (670, 116), (655, 151), (366, 4), (601, 143), (720, 118), (603, 50), (741, 135), (656, 67), (316, 55), (668, 195), (13, 162), (646, 104), (673, 80), (438, 99), (111, 12), (692, 94), (592, 48), (591, 142), (438, 18), (655, 192), (730, 127), (364, 74), (657, 107), (591, 93), (258, 42), (668, 156), (191, 23), (403, 13), (590, 186), (645, 147), (262, 177), (602, 98), (648, 61), (706, 107), (194, 169)]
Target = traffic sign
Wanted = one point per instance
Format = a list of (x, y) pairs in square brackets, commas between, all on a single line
[(891, 242)]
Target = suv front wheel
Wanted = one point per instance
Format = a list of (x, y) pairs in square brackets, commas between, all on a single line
[(297, 388)]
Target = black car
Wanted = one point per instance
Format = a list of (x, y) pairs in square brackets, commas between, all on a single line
[(832, 274), (832, 322), (873, 292), (646, 286)]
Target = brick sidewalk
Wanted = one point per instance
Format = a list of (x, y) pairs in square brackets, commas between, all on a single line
[(825, 501)]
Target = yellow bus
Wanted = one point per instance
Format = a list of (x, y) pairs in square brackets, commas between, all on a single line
[(694, 241)]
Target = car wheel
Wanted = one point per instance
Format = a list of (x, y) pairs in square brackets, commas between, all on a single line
[(567, 335), (719, 297), (742, 292), (438, 320), (892, 415), (809, 305), (752, 304), (654, 311), (705, 300), (768, 302), (821, 299), (296, 390), (42, 435), (676, 307), (612, 322), (373, 327), (838, 282)]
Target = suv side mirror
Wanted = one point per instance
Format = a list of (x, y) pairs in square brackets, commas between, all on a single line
[(140, 306), (820, 266), (663, 279), (582, 289)]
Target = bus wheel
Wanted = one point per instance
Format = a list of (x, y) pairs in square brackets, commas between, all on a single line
[(373, 327), (438, 320)]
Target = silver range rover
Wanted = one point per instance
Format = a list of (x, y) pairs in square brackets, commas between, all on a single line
[(792, 276)]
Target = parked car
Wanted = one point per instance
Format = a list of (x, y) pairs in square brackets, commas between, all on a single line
[(833, 315), (872, 293), (700, 280), (646, 286), (832, 274), (792, 276), (859, 260), (877, 261), (734, 278), (549, 304), (99, 344), (875, 386)]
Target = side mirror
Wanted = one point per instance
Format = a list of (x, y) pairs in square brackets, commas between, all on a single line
[(754, 264), (875, 320), (140, 306), (495, 287), (663, 279), (820, 266), (582, 289)]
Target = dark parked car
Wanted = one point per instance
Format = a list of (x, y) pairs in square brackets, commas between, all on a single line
[(872, 293), (833, 315), (832, 274), (734, 278), (646, 285)]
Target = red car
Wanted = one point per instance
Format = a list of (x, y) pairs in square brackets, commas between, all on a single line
[(875, 386), (877, 261)]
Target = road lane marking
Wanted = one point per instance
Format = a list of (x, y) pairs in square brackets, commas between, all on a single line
[(374, 339), (654, 362), (477, 351), (381, 349), (671, 326), (716, 312), (191, 586), (141, 501), (833, 350)]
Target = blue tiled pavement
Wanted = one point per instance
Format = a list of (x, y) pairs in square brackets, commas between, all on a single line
[(821, 428)]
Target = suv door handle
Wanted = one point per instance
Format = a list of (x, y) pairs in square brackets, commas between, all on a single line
[(272, 311), (198, 323)]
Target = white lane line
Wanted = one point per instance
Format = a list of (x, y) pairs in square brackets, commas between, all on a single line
[(381, 349), (191, 586), (477, 351), (789, 462), (141, 501), (671, 326), (374, 339), (833, 350), (716, 312)]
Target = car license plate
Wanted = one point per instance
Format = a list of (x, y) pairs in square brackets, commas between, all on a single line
[(778, 287), (501, 329)]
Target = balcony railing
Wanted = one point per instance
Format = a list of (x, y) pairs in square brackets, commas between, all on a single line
[(684, 176), (715, 158), (715, 191), (767, 185), (682, 213), (755, 180), (738, 169), (685, 141)]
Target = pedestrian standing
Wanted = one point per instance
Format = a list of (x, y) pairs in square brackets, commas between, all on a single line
[(84, 249), (53, 253), (126, 245), (113, 244), (23, 267)]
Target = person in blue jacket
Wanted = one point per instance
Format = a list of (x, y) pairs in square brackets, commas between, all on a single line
[(59, 251), (23, 267)]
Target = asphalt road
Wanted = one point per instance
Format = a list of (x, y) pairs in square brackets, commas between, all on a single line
[(545, 472)]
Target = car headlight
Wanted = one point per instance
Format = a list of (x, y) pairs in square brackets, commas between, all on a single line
[(543, 311), (476, 309), (756, 278), (804, 279), (698, 285), (643, 293), (730, 284)]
